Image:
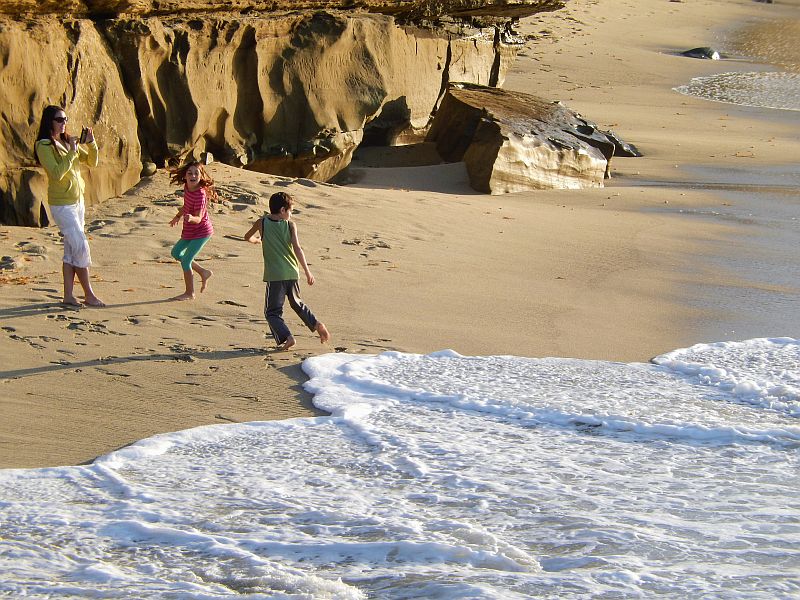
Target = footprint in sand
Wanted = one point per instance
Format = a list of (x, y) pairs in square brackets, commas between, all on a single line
[(227, 419), (184, 358), (39, 342), (31, 251), (9, 263), (168, 201), (232, 303), (98, 224), (205, 318), (379, 343), (84, 326), (112, 373), (139, 211), (378, 243)]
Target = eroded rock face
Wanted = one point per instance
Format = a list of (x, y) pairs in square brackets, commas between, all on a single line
[(289, 90), (289, 95), (513, 142), (409, 10), (69, 66)]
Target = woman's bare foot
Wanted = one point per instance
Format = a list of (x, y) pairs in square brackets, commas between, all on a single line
[(205, 275), (71, 301), (322, 331), (94, 301), (183, 296), (288, 343)]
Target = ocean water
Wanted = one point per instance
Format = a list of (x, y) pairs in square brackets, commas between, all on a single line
[(771, 89), (759, 266), (770, 45), (445, 476), (761, 69)]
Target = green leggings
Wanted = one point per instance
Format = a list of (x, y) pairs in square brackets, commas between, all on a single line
[(186, 250)]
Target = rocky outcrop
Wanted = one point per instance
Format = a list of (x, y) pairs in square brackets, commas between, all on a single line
[(405, 10), (66, 65), (289, 95), (287, 90), (513, 142)]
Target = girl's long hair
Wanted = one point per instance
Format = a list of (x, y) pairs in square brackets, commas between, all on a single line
[(46, 129), (179, 176)]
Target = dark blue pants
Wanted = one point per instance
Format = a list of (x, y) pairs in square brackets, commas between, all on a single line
[(277, 293)]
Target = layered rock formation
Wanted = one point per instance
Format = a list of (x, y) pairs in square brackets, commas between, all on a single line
[(288, 95), (292, 93), (405, 10), (42, 64), (513, 142)]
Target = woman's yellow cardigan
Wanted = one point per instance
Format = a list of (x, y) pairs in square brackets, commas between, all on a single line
[(64, 170)]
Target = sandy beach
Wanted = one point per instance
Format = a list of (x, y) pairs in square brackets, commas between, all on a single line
[(406, 258)]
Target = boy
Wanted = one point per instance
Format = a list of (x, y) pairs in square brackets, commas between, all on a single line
[(282, 253)]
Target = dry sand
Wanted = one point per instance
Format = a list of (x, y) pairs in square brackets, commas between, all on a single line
[(407, 259)]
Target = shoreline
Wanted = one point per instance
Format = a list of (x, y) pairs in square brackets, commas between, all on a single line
[(417, 263), (730, 160)]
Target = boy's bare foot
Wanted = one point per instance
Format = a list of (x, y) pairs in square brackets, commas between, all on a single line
[(94, 301), (205, 275), (288, 343), (322, 331), (184, 296), (71, 301)]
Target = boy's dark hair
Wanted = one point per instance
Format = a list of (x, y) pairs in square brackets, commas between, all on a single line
[(280, 200)]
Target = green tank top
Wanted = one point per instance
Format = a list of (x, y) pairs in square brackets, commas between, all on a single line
[(280, 263)]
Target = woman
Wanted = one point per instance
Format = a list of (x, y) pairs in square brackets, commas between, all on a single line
[(61, 154)]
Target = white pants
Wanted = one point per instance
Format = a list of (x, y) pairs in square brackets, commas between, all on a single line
[(70, 221)]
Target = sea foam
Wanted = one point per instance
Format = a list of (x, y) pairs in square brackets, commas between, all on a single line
[(445, 476)]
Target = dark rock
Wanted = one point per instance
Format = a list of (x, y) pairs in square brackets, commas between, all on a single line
[(149, 169), (705, 52)]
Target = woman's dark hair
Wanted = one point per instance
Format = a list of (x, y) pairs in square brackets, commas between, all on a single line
[(280, 200), (179, 176), (46, 128)]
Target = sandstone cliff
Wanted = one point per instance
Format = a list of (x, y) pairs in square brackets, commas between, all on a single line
[(289, 95), (290, 92), (407, 10), (42, 64)]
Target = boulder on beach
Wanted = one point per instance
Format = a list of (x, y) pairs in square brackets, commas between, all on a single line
[(511, 141)]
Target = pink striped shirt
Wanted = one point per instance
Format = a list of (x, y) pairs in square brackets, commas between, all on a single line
[(193, 203)]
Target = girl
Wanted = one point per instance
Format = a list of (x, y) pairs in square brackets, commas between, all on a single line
[(61, 156), (198, 190)]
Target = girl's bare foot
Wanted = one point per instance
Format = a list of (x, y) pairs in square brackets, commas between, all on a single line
[(71, 301), (94, 301), (183, 296), (322, 331), (205, 275), (288, 343)]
